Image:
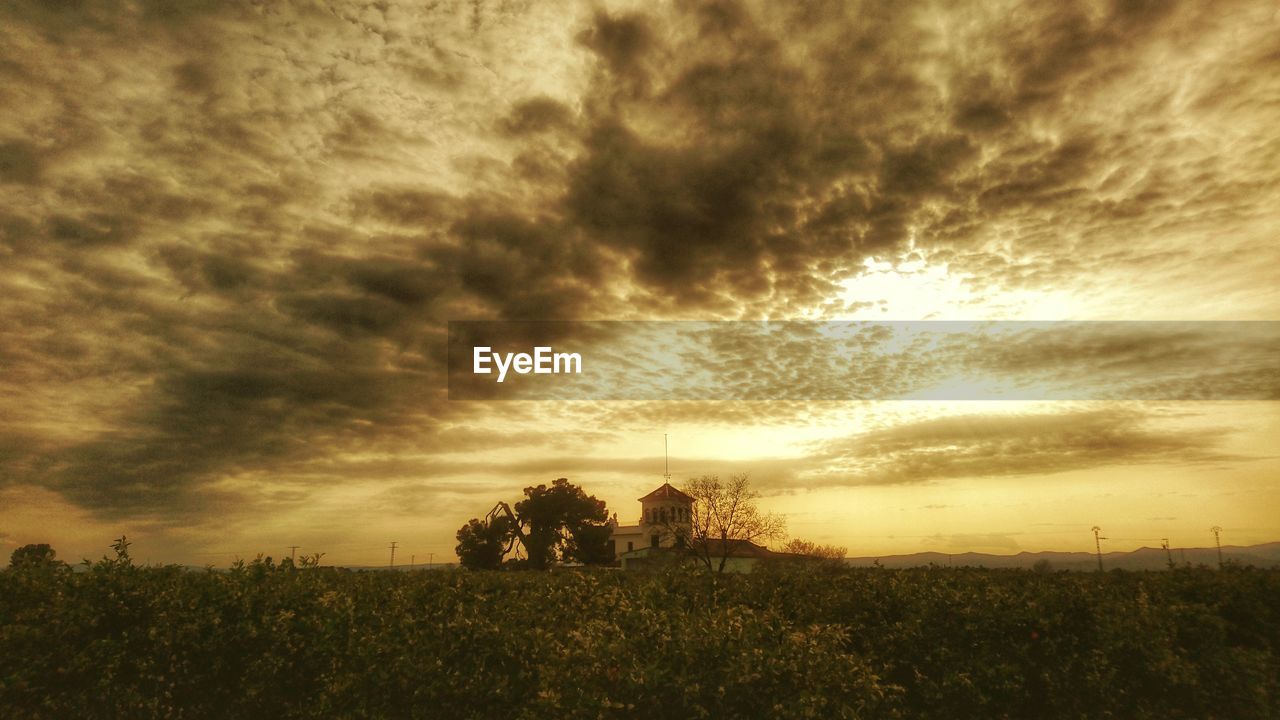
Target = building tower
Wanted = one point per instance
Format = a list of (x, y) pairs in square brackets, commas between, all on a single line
[(664, 514)]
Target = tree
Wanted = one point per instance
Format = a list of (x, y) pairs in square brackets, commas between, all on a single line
[(724, 518), (560, 521), (555, 523), (589, 544), (796, 546), (32, 556), (481, 546)]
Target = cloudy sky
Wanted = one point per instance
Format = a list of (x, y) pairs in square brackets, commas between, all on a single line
[(232, 236)]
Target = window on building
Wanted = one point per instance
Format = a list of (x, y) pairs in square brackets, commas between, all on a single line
[(631, 546), (654, 539)]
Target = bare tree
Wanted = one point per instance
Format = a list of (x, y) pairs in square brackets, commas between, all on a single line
[(724, 518)]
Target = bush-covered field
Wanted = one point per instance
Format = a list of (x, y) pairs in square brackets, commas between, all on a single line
[(119, 641)]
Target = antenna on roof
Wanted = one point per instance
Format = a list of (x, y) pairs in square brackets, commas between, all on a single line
[(666, 458)]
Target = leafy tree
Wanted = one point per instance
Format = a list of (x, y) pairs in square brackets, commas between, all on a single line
[(563, 523), (40, 555), (481, 546), (796, 546), (555, 523), (589, 545)]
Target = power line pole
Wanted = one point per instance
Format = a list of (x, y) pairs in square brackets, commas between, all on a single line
[(1164, 543), (393, 554), (1217, 539), (1097, 543), (293, 552), (431, 560), (412, 559)]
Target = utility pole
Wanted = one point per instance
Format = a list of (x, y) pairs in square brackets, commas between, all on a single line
[(431, 560), (293, 552), (1097, 543), (1164, 543), (412, 559), (1217, 539), (393, 553)]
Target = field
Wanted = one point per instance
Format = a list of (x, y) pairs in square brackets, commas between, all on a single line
[(121, 641)]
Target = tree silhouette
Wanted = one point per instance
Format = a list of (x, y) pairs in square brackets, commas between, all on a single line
[(481, 546), (552, 523), (560, 519), (33, 556), (796, 546), (724, 518)]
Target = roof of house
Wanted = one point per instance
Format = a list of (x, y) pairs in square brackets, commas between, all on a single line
[(738, 548), (666, 492)]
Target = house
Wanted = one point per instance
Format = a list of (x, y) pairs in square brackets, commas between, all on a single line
[(653, 540), (738, 555), (661, 511)]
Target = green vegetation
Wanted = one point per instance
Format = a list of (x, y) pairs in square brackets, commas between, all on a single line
[(806, 641)]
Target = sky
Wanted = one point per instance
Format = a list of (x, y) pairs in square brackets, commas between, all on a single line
[(232, 235)]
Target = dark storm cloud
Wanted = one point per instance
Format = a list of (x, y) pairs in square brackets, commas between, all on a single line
[(1109, 182), (19, 162), (253, 357), (536, 115), (702, 155), (232, 233), (621, 42), (402, 206), (731, 172), (518, 268), (207, 423), (200, 270)]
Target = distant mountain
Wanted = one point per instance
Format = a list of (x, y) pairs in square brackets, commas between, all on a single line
[(1144, 558)]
